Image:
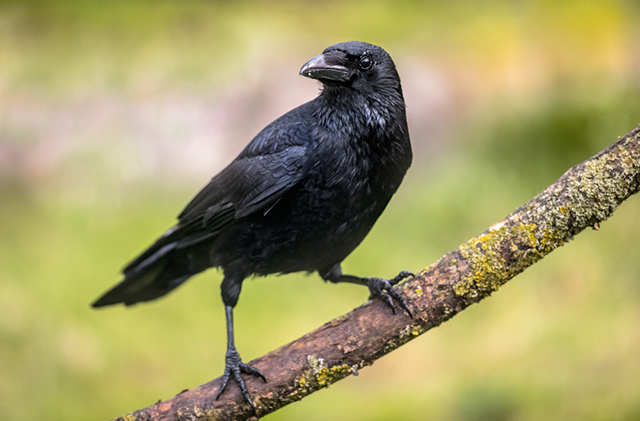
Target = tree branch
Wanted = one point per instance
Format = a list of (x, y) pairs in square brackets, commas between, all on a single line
[(584, 196)]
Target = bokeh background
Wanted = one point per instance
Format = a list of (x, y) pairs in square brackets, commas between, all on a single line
[(114, 113)]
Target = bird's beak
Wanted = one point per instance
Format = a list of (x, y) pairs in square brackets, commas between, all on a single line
[(317, 68)]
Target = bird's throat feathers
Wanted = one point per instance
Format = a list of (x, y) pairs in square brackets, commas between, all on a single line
[(374, 111)]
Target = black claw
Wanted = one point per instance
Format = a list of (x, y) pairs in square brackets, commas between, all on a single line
[(243, 389), (383, 289), (400, 277), (247, 369), (388, 301), (225, 380), (399, 298), (233, 367), (401, 301)]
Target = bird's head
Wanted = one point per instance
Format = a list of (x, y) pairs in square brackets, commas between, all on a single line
[(363, 67)]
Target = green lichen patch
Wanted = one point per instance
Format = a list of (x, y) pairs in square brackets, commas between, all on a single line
[(315, 363), (592, 192), (586, 195), (409, 332), (331, 375), (495, 257), (321, 376)]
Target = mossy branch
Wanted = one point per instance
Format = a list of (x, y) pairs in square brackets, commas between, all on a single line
[(584, 196)]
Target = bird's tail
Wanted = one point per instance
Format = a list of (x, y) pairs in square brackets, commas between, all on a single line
[(176, 256)]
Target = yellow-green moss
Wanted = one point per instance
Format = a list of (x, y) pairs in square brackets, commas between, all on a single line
[(486, 254), (331, 375), (323, 375), (406, 334), (584, 197), (447, 310), (198, 412)]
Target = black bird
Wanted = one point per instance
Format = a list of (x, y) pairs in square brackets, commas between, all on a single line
[(300, 197)]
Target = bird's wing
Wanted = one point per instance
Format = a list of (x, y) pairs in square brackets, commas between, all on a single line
[(274, 161), (271, 164)]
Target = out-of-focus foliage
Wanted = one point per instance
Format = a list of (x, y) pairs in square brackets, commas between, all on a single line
[(114, 113)]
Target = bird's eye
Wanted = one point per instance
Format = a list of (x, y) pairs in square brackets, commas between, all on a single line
[(365, 63)]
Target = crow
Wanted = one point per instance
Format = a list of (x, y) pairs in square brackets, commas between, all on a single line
[(300, 197)]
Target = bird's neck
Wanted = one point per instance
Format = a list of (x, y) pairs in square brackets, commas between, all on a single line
[(345, 107)]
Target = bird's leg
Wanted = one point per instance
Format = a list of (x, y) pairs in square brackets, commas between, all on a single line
[(379, 287), (234, 365)]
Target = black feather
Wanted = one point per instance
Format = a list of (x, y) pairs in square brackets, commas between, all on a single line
[(302, 194)]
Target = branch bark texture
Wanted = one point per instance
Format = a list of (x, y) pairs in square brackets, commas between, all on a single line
[(584, 196)]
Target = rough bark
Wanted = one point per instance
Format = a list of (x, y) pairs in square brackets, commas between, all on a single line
[(584, 196)]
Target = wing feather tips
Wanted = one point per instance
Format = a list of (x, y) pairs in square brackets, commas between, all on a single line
[(140, 279), (154, 275), (132, 289)]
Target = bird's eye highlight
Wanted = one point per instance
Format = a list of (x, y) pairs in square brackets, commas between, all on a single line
[(365, 63)]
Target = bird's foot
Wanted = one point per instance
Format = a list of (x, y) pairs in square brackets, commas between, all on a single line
[(233, 367), (383, 289)]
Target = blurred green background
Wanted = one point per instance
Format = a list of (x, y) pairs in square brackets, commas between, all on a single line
[(114, 113)]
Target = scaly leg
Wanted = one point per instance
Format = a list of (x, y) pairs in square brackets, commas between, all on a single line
[(379, 288), (233, 363)]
